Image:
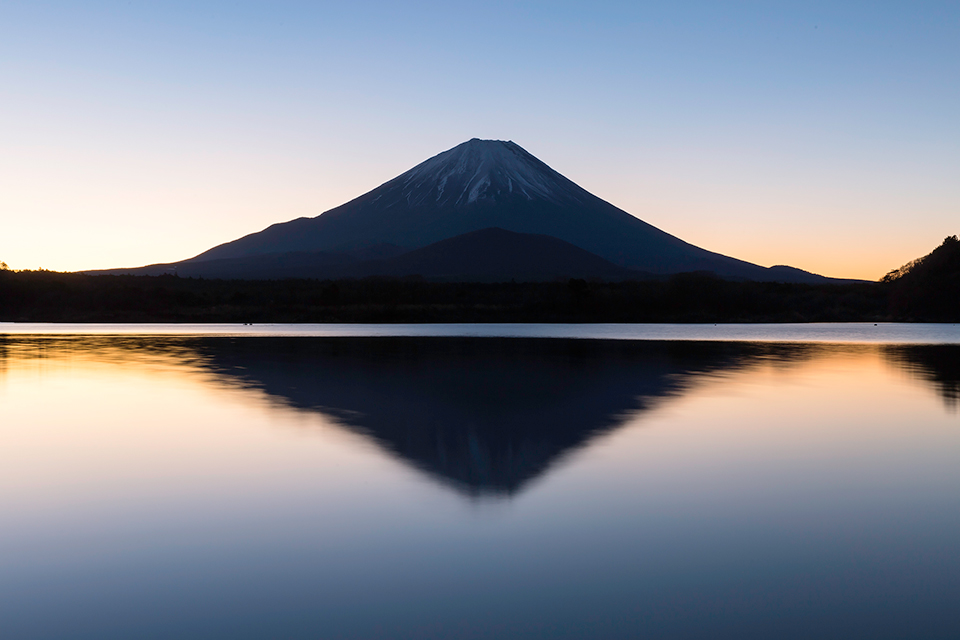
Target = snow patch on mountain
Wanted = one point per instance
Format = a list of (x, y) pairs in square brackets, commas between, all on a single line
[(484, 170)]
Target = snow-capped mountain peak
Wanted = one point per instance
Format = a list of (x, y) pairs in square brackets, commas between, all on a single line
[(482, 171), (480, 185)]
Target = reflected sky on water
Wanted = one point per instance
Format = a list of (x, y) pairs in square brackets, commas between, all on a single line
[(807, 332), (172, 486)]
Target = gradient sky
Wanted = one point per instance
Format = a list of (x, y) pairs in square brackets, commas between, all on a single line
[(822, 135)]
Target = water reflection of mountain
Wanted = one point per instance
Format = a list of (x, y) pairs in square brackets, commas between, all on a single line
[(484, 415), (938, 365)]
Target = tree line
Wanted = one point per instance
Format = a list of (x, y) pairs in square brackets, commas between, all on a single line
[(925, 290)]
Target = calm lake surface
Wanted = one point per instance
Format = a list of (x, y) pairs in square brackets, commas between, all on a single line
[(480, 481)]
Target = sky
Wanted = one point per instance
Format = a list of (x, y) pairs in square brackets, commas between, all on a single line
[(822, 135)]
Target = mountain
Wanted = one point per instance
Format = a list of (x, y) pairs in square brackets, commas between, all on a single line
[(484, 184), (499, 255), (488, 255)]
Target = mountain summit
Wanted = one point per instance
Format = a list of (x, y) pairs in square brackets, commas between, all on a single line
[(482, 184), (485, 171)]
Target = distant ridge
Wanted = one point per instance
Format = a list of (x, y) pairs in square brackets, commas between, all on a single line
[(477, 185)]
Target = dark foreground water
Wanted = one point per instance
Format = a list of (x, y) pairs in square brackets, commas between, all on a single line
[(302, 487)]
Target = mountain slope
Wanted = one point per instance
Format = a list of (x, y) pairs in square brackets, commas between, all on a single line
[(928, 288), (498, 255), (482, 184), (488, 255)]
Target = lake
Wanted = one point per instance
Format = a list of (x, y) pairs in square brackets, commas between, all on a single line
[(479, 481)]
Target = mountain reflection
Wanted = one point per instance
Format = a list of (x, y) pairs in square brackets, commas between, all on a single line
[(938, 365), (486, 416)]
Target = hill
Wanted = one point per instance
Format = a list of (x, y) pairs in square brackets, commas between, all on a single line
[(928, 288)]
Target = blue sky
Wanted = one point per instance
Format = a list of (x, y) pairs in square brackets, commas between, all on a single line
[(822, 135)]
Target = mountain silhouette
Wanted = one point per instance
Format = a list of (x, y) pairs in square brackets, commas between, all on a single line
[(928, 289), (498, 255), (477, 185), (488, 255)]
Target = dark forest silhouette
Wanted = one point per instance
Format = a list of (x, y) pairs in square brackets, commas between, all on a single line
[(59, 297), (929, 287), (924, 290)]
